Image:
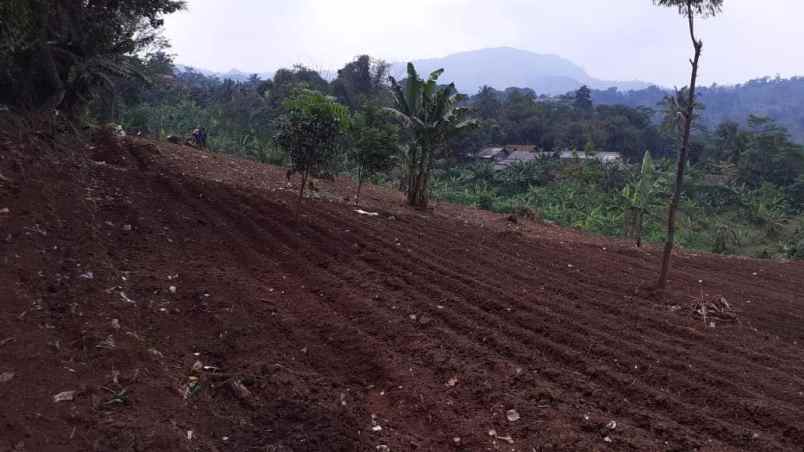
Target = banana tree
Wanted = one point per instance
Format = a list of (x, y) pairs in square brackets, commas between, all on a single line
[(638, 197), (432, 114)]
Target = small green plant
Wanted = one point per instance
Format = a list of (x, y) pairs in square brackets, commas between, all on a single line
[(638, 197)]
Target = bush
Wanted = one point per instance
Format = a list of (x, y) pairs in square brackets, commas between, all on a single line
[(798, 252)]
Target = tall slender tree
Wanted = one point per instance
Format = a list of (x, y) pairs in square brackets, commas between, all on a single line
[(689, 9)]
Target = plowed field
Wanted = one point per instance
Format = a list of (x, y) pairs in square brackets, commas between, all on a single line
[(174, 292)]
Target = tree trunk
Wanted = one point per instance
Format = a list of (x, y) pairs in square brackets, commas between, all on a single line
[(53, 90), (411, 175), (638, 227), (417, 194), (682, 156), (633, 224), (628, 222), (424, 194), (359, 185), (301, 192)]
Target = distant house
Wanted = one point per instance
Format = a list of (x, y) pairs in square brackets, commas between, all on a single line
[(514, 157), (505, 156), (604, 157), (489, 154)]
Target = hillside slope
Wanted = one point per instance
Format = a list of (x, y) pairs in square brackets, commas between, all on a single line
[(173, 291)]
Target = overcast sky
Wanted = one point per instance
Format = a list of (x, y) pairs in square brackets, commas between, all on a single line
[(611, 39)]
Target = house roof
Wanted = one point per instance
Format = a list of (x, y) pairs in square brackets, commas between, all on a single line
[(505, 156), (514, 157), (489, 153), (521, 147), (602, 156)]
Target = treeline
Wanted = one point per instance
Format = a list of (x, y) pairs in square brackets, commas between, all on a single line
[(779, 99), (570, 122)]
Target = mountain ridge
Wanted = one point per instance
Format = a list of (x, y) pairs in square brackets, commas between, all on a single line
[(504, 67), (498, 67)]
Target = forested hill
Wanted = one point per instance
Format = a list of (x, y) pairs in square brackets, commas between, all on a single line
[(779, 99)]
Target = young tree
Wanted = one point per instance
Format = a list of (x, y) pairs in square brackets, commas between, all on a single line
[(310, 132), (638, 196), (374, 145), (689, 9), (431, 112)]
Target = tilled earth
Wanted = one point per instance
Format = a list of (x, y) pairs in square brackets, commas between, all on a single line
[(173, 300)]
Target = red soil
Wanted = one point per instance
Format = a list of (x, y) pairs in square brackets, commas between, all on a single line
[(428, 325)]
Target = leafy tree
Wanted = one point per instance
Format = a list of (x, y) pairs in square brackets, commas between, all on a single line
[(583, 99), (690, 9), (771, 157), (487, 103), (730, 142), (63, 52), (375, 144), (310, 132), (362, 80), (286, 81), (431, 112)]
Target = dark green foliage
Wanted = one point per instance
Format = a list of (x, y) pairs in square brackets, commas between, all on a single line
[(362, 80), (769, 155), (583, 99), (285, 81), (310, 132), (703, 8), (375, 145), (779, 99), (519, 117), (487, 103), (61, 53)]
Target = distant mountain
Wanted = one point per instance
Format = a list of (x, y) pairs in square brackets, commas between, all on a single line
[(505, 67), (500, 68)]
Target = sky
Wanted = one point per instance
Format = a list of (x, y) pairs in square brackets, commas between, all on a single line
[(611, 39)]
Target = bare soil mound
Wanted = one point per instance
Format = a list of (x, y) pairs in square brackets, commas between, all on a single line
[(170, 301)]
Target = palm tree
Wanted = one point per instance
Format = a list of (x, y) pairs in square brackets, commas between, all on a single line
[(431, 112)]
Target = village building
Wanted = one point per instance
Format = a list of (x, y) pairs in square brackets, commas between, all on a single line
[(504, 157)]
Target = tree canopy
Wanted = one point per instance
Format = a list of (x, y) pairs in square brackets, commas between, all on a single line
[(62, 52), (310, 131), (696, 7)]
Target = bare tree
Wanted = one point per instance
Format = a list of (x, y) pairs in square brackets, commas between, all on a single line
[(690, 9)]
